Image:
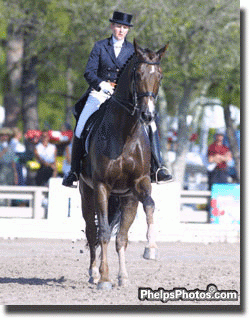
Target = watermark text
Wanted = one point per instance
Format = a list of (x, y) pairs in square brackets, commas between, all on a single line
[(182, 294)]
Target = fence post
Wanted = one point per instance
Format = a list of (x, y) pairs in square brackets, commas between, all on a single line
[(38, 209)]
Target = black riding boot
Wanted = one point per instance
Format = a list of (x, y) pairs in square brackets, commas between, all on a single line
[(77, 152), (159, 172)]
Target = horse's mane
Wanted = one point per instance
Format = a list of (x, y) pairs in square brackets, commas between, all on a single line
[(131, 58), (149, 56)]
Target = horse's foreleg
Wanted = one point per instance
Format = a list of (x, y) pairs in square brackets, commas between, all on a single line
[(143, 188), (151, 247), (101, 207), (129, 207), (88, 212)]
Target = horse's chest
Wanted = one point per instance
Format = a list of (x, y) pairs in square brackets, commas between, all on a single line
[(121, 167), (126, 168)]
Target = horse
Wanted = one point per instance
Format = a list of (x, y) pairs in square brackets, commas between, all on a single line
[(115, 174)]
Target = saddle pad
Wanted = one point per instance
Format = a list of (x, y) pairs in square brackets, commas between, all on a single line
[(91, 125)]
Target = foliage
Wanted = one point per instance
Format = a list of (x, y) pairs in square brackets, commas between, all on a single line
[(203, 35)]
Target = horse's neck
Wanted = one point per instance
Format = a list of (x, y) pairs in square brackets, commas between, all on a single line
[(119, 108), (123, 89)]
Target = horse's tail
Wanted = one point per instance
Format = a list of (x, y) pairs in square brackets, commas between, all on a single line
[(114, 217), (114, 210)]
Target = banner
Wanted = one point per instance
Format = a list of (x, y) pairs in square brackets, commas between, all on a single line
[(225, 204)]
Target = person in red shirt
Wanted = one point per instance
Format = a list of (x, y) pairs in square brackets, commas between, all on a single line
[(219, 155)]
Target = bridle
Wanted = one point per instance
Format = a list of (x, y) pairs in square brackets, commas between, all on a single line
[(133, 107), (142, 94)]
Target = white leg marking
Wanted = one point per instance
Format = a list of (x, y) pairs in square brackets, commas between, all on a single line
[(151, 236), (122, 275)]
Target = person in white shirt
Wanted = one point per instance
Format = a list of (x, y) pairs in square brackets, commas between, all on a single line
[(45, 154)]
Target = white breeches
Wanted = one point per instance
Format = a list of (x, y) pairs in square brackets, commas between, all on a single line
[(95, 99)]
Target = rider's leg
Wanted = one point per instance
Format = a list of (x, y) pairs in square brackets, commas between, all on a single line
[(92, 104), (158, 171), (73, 175)]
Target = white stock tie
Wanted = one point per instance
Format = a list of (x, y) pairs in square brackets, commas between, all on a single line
[(117, 48)]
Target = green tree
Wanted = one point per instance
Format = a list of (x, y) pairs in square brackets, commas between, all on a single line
[(203, 43), (203, 51)]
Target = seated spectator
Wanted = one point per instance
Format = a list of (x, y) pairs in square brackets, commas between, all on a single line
[(45, 154), (66, 127), (32, 138), (67, 159), (8, 173), (19, 150), (218, 157)]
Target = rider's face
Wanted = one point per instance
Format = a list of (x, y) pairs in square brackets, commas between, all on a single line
[(119, 30)]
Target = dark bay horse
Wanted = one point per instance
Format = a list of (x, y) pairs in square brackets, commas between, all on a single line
[(115, 174)]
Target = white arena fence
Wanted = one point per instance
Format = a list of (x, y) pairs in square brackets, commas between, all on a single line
[(23, 202), (55, 212)]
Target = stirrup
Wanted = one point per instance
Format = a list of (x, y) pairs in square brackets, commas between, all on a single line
[(168, 172), (72, 185)]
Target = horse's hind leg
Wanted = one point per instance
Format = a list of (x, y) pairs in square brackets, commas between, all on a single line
[(88, 212), (143, 189), (129, 207)]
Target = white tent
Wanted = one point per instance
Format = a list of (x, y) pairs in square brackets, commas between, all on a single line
[(2, 116)]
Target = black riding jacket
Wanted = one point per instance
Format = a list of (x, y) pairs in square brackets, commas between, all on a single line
[(103, 65)]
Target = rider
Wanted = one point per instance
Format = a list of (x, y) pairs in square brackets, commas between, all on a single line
[(105, 61)]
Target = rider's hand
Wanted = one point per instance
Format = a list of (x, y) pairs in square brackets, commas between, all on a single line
[(106, 87)]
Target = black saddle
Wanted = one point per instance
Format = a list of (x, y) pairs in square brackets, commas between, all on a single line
[(91, 126)]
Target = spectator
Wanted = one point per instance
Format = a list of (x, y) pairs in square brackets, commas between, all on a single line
[(8, 173), (32, 138), (19, 150), (45, 154), (67, 159), (218, 156)]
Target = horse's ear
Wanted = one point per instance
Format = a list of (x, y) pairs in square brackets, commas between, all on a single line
[(162, 51), (138, 50)]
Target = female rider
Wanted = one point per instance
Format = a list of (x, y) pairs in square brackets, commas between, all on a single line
[(104, 64)]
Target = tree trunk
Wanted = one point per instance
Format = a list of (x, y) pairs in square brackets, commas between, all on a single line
[(70, 87), (163, 127), (12, 97), (29, 86), (232, 140), (179, 165)]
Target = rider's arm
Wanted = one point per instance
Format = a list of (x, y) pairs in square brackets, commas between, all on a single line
[(92, 68)]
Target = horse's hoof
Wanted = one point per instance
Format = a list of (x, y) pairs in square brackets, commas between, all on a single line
[(104, 285), (122, 282), (93, 280), (94, 275), (150, 253)]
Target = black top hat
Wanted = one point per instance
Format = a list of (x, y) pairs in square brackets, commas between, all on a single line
[(122, 18)]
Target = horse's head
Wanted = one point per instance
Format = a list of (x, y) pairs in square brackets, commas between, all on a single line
[(147, 78)]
